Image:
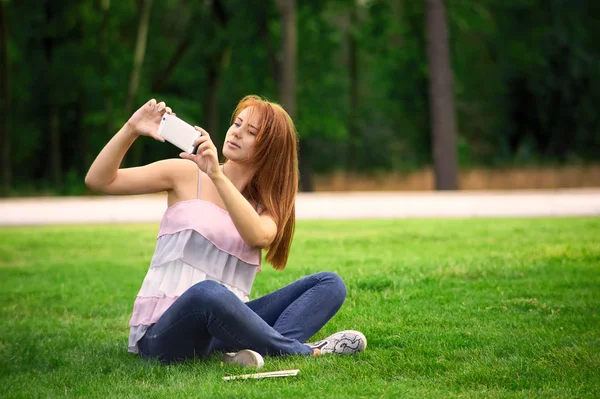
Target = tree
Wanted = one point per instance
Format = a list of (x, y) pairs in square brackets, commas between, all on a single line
[(357, 82), (353, 57), (441, 97), (140, 52), (216, 63), (287, 84), (49, 44), (5, 93)]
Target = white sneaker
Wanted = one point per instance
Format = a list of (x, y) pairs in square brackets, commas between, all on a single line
[(343, 343), (246, 358)]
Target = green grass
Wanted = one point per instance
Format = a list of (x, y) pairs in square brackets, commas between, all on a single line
[(469, 308)]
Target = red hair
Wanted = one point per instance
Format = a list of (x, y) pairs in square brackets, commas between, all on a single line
[(275, 183)]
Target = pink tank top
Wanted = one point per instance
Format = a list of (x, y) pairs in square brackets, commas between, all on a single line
[(197, 241)]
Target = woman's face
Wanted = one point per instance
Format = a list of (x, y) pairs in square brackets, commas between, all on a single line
[(240, 138)]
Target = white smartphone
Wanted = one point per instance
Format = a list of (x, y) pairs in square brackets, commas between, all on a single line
[(179, 133)]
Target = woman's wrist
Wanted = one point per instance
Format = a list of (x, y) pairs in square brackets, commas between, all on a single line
[(130, 130), (217, 176)]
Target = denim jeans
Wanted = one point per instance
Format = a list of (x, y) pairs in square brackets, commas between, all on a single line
[(208, 317)]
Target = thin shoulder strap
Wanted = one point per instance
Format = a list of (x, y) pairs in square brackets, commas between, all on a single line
[(199, 177)]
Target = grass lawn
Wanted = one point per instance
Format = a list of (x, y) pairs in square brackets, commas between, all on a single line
[(470, 308)]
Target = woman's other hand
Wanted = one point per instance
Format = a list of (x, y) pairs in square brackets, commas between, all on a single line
[(206, 155), (145, 121)]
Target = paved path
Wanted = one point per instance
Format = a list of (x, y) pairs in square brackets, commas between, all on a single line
[(356, 205)]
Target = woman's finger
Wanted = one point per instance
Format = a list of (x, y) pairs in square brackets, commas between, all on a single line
[(169, 110), (157, 137), (186, 155), (161, 106), (152, 104), (204, 132), (200, 140), (203, 147), (210, 154)]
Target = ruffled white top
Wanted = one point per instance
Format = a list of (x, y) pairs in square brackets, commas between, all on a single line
[(197, 241)]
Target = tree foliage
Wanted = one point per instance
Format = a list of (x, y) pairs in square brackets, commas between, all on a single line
[(525, 79)]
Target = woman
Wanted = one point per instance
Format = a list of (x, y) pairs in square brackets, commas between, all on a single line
[(194, 299)]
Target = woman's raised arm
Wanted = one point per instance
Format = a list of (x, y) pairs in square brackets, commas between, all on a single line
[(104, 175)]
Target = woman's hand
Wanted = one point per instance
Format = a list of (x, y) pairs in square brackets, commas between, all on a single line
[(145, 121), (206, 155)]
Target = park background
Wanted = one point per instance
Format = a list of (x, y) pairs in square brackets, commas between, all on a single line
[(395, 96), (506, 91)]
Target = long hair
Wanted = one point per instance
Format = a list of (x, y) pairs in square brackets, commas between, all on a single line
[(275, 183)]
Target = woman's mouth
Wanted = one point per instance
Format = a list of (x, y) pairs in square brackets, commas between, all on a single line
[(233, 145)]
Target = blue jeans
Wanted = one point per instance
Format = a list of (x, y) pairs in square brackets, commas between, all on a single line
[(208, 317)]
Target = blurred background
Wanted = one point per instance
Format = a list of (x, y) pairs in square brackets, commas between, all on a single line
[(386, 95)]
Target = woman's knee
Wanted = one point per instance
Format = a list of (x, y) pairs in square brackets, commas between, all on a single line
[(335, 285), (206, 292)]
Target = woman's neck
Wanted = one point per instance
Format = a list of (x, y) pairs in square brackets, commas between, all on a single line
[(240, 175)]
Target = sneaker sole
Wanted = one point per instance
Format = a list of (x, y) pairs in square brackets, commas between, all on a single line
[(246, 358)]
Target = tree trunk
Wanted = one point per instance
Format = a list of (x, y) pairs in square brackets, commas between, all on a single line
[(55, 154), (289, 46), (55, 167), (216, 65), (353, 132), (104, 71), (5, 163), (140, 52), (211, 103), (287, 93), (84, 143), (306, 178), (185, 43), (177, 56), (263, 31), (441, 99), (211, 106)]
